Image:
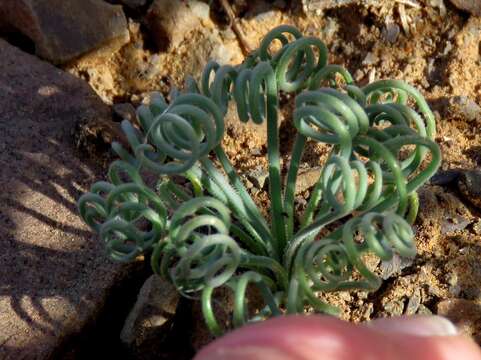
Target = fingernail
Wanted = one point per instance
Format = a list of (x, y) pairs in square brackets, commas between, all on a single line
[(245, 352), (416, 326)]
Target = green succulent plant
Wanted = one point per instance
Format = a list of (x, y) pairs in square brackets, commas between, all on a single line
[(209, 233)]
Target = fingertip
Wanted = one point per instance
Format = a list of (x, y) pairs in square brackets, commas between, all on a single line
[(427, 337), (292, 338), (415, 326), (436, 347), (324, 337)]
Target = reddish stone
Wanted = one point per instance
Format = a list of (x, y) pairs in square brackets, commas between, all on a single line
[(63, 30)]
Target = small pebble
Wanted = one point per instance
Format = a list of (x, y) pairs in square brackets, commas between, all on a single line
[(248, 184), (440, 5), (445, 177), (258, 177), (370, 59), (394, 307), (448, 48), (394, 266), (391, 32), (372, 75), (423, 310), (477, 227), (453, 281), (414, 303), (470, 109), (266, 16), (306, 179), (256, 151), (358, 75), (454, 224), (228, 34), (469, 184)]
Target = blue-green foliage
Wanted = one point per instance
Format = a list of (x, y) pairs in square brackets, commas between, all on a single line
[(210, 233)]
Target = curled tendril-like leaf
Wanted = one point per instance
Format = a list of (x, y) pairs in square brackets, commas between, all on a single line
[(327, 264), (198, 252), (238, 285), (130, 218), (206, 231), (185, 131), (334, 258)]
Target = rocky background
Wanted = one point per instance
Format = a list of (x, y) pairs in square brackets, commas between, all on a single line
[(70, 72)]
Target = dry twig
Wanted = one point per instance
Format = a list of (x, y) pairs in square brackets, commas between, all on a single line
[(246, 48)]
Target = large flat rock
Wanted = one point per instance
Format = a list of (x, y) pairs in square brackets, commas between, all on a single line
[(54, 276)]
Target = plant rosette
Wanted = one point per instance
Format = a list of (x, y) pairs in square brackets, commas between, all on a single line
[(210, 233)]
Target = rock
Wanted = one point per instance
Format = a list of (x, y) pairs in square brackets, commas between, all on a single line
[(445, 177), (370, 59), (391, 32), (212, 47), (462, 70), (464, 271), (394, 307), (307, 178), (439, 4), (258, 177), (413, 303), (228, 34), (318, 6), (467, 107), (171, 21), (359, 74), (63, 30), (448, 48), (265, 16), (477, 227), (454, 286), (423, 310), (469, 184), (465, 180), (453, 224), (440, 211), (394, 266), (465, 314), (471, 6), (151, 319), (54, 275)]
